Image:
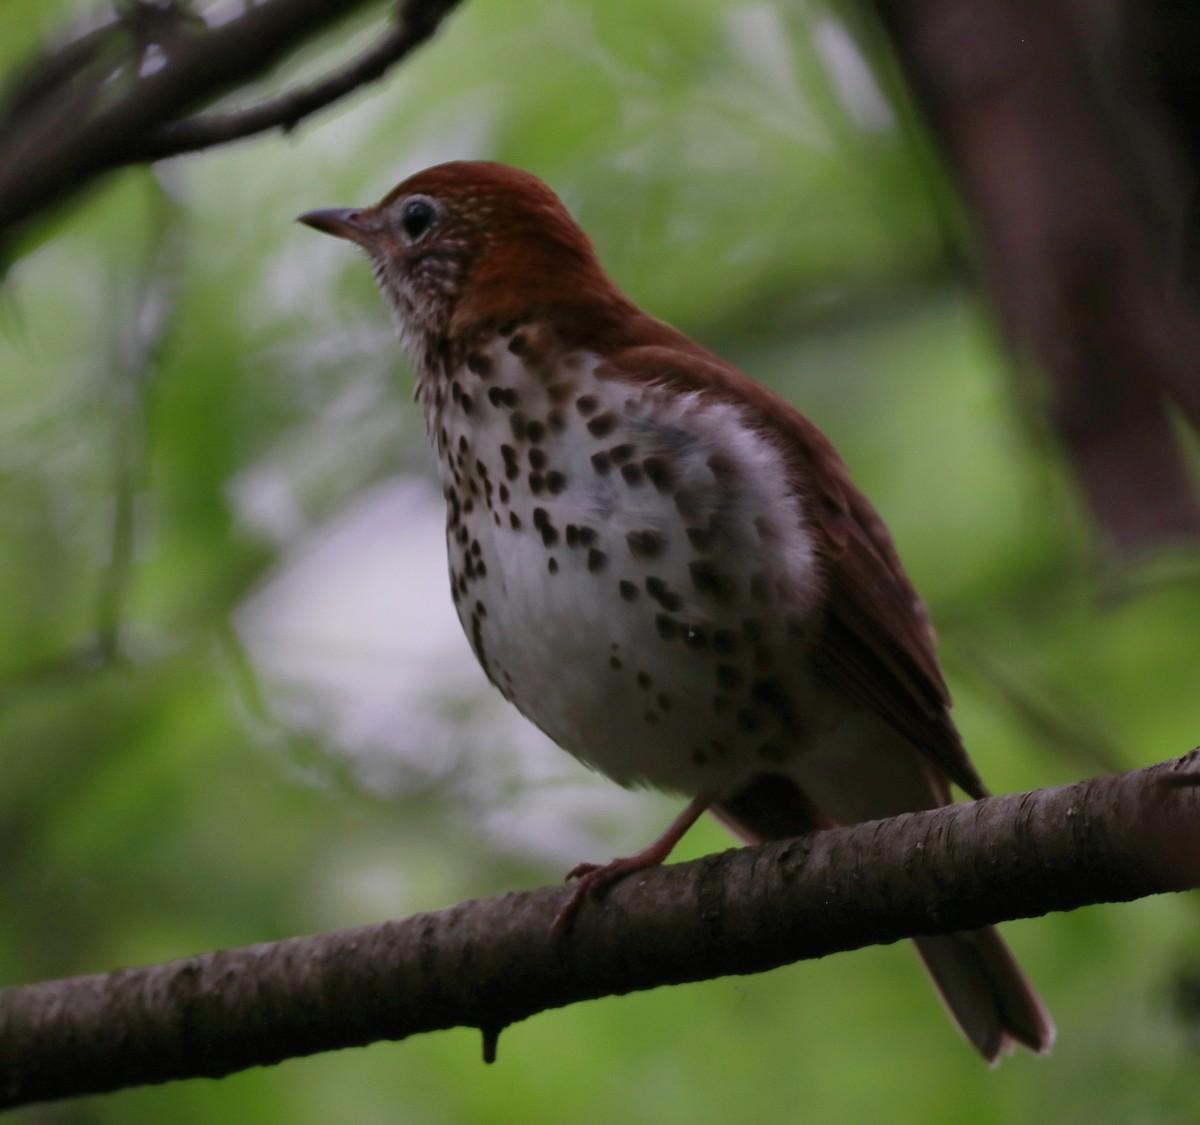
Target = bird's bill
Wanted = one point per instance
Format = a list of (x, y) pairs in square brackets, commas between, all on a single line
[(342, 222)]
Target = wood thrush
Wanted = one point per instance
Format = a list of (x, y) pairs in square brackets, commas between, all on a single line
[(661, 563)]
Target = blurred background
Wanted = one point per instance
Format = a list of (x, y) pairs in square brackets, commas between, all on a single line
[(235, 703)]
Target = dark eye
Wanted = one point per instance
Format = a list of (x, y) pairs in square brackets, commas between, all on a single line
[(417, 218)]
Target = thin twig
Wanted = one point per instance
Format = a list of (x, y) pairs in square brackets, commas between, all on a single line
[(416, 23), (67, 140)]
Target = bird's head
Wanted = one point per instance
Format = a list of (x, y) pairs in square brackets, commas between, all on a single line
[(470, 242)]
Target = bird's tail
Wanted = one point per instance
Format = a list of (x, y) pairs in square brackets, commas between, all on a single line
[(976, 976), (986, 993)]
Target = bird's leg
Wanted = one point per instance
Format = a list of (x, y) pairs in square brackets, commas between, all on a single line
[(595, 877)]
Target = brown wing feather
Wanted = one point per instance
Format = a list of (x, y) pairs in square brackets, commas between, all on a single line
[(877, 648), (878, 645)]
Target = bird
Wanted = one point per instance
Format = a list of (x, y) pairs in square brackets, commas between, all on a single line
[(662, 563)]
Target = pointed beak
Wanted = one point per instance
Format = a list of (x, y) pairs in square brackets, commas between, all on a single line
[(342, 222)]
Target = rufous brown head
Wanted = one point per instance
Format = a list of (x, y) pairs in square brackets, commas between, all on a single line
[(465, 241)]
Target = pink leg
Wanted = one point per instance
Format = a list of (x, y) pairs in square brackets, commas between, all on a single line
[(594, 877)]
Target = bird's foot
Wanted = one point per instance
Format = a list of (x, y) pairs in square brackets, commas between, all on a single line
[(596, 877)]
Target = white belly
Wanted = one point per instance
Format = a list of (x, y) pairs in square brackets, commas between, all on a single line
[(631, 570)]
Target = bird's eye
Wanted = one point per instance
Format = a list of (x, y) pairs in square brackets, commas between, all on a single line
[(417, 218)]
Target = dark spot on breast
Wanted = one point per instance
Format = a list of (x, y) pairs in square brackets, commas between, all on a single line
[(621, 453), (601, 463), (557, 392), (700, 538), (537, 431), (645, 544), (537, 483), (537, 458), (748, 720), (507, 328), (722, 466), (479, 364), (541, 521), (602, 424), (645, 681), (724, 642), (668, 627), (518, 345), (556, 421), (587, 404), (770, 693), (555, 482), (572, 533), (477, 645), (632, 474), (515, 520), (587, 537), (496, 396), (662, 594), (481, 468), (695, 637), (628, 590), (443, 437), (456, 391), (463, 444), (614, 662), (468, 403), (659, 471), (518, 425), (596, 560), (552, 565), (729, 676), (709, 580), (664, 701), (503, 494)]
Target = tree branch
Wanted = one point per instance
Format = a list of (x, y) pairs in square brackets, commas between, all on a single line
[(492, 962), (64, 130), (416, 22)]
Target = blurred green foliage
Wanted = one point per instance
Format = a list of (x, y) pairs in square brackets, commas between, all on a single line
[(213, 721)]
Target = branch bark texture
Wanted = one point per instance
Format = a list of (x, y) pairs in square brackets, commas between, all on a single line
[(489, 963), (95, 106)]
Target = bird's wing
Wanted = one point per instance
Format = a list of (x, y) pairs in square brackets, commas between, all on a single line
[(877, 647)]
